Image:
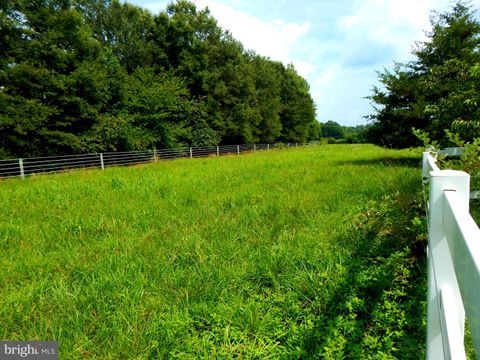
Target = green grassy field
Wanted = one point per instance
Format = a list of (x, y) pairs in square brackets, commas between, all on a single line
[(300, 253)]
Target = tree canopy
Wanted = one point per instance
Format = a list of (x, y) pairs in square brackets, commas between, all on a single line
[(438, 90), (97, 75)]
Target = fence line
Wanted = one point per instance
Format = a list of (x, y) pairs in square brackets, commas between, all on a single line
[(453, 263), (23, 167)]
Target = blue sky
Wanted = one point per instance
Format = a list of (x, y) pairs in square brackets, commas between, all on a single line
[(337, 45)]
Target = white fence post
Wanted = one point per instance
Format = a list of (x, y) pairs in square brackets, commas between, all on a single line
[(441, 272), (254, 148), (426, 157), (22, 171), (238, 149), (191, 153), (102, 165), (154, 155), (268, 146), (218, 151)]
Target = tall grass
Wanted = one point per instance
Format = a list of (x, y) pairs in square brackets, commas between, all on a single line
[(306, 252)]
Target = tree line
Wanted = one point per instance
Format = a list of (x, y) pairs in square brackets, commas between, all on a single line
[(101, 75), (437, 93), (332, 132)]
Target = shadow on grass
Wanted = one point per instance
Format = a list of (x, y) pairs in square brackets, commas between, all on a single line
[(412, 162), (378, 310)]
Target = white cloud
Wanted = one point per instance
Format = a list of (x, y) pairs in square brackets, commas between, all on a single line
[(304, 68), (339, 94), (274, 39), (327, 76), (335, 45), (391, 24), (374, 35)]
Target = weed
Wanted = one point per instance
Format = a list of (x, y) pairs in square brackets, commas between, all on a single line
[(286, 254)]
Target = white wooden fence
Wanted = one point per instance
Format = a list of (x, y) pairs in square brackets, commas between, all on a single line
[(453, 263)]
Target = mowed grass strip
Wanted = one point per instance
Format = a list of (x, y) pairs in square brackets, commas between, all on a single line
[(286, 253)]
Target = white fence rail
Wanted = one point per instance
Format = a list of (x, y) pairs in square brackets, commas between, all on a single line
[(453, 263), (52, 164)]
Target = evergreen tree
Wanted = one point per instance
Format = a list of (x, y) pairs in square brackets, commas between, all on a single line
[(437, 91)]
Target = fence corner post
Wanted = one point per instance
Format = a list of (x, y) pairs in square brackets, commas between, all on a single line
[(22, 171), (102, 164), (268, 146), (238, 149), (446, 180), (441, 272), (154, 155), (191, 153)]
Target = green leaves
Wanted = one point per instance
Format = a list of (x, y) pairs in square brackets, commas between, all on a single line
[(92, 75), (437, 91)]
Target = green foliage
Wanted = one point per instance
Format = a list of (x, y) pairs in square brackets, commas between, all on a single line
[(438, 90), (335, 133), (396, 110), (70, 70), (315, 132), (469, 160), (116, 133), (331, 129), (376, 308), (424, 137), (257, 256), (356, 134), (298, 109)]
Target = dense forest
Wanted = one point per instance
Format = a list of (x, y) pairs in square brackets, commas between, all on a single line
[(101, 75), (437, 92)]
